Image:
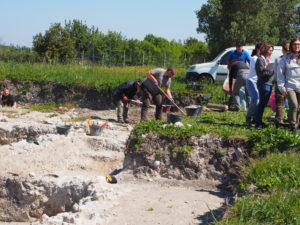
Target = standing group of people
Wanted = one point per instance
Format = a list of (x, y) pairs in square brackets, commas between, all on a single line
[(259, 75), (150, 89)]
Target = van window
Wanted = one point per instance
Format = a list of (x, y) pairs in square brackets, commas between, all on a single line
[(224, 59)]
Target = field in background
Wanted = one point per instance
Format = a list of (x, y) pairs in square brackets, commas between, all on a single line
[(104, 79)]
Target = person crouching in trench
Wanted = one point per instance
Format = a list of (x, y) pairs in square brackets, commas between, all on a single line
[(7, 99)]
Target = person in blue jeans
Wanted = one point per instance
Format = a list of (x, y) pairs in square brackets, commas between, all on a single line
[(265, 75), (251, 85)]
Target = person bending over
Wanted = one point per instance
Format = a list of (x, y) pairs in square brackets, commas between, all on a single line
[(123, 95), (156, 79)]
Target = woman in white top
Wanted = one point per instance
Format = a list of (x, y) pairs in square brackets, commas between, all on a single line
[(251, 85), (279, 98), (288, 80)]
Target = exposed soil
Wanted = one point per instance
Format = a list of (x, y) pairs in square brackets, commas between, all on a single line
[(34, 92), (47, 178)]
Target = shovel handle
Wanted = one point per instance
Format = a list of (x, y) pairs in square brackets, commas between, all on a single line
[(172, 102)]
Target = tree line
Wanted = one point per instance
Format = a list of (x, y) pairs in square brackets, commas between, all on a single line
[(75, 42), (225, 23), (228, 22)]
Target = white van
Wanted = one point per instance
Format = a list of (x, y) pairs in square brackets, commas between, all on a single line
[(217, 69)]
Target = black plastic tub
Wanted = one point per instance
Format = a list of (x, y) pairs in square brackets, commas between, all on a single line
[(193, 110), (63, 129), (173, 118), (96, 130)]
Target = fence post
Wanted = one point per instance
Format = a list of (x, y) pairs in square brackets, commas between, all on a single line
[(124, 62)]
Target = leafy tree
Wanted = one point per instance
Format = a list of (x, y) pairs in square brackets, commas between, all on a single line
[(81, 34), (55, 46), (195, 51), (77, 42), (227, 22)]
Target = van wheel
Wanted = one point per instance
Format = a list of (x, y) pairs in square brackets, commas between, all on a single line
[(206, 79)]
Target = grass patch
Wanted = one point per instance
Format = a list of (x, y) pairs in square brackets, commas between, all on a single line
[(227, 124), (278, 171), (275, 209), (50, 107), (78, 119)]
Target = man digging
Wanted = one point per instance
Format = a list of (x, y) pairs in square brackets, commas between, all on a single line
[(156, 79)]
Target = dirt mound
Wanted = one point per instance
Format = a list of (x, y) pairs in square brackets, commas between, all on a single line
[(207, 157)]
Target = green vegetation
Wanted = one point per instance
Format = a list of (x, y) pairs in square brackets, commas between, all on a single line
[(78, 119), (278, 171), (248, 22), (219, 123), (50, 107), (275, 209), (75, 42), (277, 196)]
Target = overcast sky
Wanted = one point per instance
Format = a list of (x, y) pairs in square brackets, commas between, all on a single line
[(20, 20)]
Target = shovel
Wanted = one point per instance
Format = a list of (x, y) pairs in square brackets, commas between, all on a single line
[(172, 102)]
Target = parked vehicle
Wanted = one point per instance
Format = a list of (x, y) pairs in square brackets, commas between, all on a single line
[(216, 70)]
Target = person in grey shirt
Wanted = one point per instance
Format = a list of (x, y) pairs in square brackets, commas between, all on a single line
[(288, 80), (157, 78)]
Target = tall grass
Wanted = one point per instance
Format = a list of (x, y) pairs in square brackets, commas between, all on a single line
[(98, 76), (104, 79)]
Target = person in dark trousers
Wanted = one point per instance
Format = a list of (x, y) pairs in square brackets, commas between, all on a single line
[(265, 75), (123, 95), (238, 71), (279, 98), (156, 79), (7, 99)]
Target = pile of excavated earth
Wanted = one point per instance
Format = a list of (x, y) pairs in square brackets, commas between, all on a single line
[(52, 178)]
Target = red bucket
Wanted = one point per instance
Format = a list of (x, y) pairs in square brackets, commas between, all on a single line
[(166, 108)]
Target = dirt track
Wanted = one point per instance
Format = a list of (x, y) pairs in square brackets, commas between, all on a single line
[(79, 158)]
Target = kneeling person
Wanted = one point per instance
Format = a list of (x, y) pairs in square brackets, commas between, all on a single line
[(7, 99), (122, 95)]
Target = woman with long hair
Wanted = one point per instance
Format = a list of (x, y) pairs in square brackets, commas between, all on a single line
[(288, 79), (265, 80)]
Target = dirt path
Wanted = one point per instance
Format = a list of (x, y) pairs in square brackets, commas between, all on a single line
[(79, 159)]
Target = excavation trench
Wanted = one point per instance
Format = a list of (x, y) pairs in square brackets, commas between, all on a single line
[(26, 199), (61, 173), (45, 175)]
